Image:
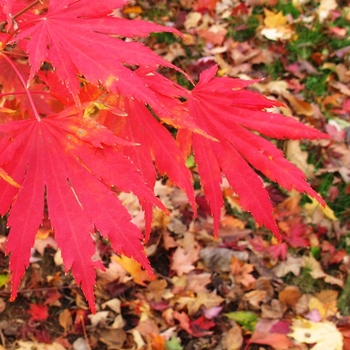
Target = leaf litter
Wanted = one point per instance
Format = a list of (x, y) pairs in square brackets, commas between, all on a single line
[(243, 287)]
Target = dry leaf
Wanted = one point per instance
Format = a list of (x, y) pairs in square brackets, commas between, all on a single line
[(182, 261), (326, 6), (30, 345), (299, 158), (274, 20), (242, 272), (290, 265), (274, 311), (135, 270), (65, 320), (300, 107), (254, 299), (289, 296), (232, 339), (324, 334)]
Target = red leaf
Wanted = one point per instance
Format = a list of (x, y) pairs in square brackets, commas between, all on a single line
[(75, 163), (275, 340), (75, 36), (38, 312), (200, 327), (278, 250), (219, 106)]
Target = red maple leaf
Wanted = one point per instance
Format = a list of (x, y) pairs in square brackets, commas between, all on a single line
[(75, 37), (224, 109), (38, 312), (74, 162), (278, 250)]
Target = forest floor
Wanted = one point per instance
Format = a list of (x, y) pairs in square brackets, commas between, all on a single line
[(243, 289)]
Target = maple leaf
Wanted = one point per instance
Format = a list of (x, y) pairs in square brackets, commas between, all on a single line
[(154, 142), (74, 163), (275, 340), (241, 272), (38, 312), (226, 111), (278, 250), (75, 36), (324, 334)]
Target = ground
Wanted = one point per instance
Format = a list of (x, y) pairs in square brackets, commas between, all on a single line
[(242, 289)]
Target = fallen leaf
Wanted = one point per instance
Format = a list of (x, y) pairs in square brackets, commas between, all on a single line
[(275, 340), (135, 270), (289, 296), (326, 210), (274, 311), (30, 345), (254, 299), (292, 265), (65, 320), (326, 6), (232, 339), (247, 319), (183, 261), (299, 158), (38, 312), (316, 271), (300, 107), (114, 304), (242, 272), (274, 20), (113, 338), (324, 334)]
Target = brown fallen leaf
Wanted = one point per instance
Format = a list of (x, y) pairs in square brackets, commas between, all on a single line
[(299, 158), (113, 338), (232, 339), (290, 296), (275, 310), (65, 320), (253, 299), (182, 261)]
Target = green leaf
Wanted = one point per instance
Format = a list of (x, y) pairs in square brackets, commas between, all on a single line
[(173, 344), (3, 279), (246, 319)]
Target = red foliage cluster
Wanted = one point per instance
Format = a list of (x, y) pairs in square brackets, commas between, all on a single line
[(83, 115)]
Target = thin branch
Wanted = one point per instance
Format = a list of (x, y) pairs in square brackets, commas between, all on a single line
[(23, 93), (36, 114), (26, 9)]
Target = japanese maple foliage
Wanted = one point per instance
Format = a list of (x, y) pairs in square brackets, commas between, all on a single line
[(83, 113)]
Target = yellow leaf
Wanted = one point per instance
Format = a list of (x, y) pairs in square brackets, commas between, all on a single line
[(327, 211), (133, 10), (6, 177), (324, 335), (138, 275), (325, 309), (274, 20)]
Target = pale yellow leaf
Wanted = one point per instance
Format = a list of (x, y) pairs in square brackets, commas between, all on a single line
[(326, 211), (324, 335)]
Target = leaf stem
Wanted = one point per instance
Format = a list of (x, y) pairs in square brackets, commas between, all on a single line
[(36, 114), (26, 8), (23, 92)]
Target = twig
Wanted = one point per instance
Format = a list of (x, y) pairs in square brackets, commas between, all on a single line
[(84, 331), (26, 8), (36, 114)]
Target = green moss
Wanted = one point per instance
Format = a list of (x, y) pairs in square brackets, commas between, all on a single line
[(309, 39), (274, 70), (243, 30), (316, 85), (287, 8)]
